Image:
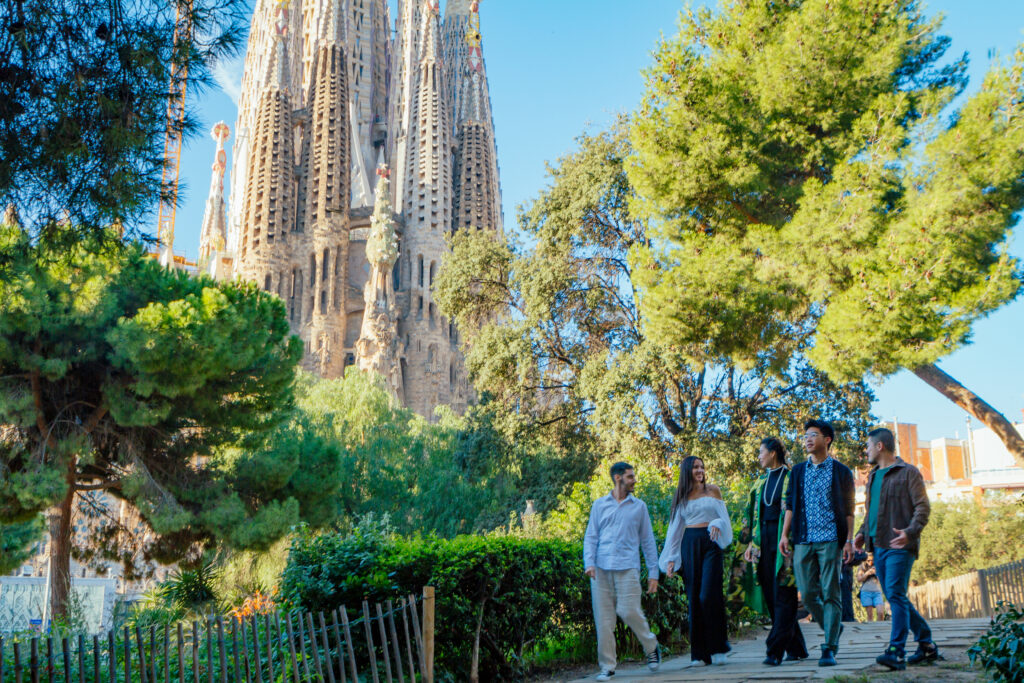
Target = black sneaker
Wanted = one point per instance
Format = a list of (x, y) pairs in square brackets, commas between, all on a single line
[(828, 658), (925, 654), (892, 659), (654, 659), (771, 660)]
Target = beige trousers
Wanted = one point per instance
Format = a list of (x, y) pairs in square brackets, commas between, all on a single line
[(618, 593)]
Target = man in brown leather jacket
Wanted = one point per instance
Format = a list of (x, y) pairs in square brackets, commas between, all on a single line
[(897, 512)]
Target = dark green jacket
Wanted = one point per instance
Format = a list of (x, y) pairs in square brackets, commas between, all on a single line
[(752, 534)]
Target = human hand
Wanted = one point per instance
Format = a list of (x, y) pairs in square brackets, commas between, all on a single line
[(591, 572), (652, 586), (671, 570), (714, 532), (858, 542), (847, 552), (900, 541), (784, 547), (748, 554)]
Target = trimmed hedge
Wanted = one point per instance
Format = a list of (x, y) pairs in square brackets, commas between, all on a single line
[(527, 594)]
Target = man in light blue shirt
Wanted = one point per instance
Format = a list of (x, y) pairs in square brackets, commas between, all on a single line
[(619, 528)]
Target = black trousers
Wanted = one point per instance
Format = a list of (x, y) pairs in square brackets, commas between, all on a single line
[(702, 575), (785, 638), (846, 594)]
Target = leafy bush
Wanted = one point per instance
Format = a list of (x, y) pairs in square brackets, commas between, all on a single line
[(523, 602), (1001, 649), (966, 535)]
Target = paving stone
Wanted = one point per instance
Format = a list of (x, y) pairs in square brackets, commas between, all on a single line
[(858, 647)]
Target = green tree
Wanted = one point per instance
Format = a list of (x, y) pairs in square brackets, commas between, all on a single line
[(795, 161), (121, 377), (963, 536), (84, 99), (16, 541), (458, 475), (571, 354)]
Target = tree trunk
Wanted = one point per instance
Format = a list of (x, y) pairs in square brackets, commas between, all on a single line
[(60, 548), (973, 404), (474, 666)]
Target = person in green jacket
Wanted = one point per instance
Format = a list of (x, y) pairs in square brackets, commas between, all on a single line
[(774, 594)]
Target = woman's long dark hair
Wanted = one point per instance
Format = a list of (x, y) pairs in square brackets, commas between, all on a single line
[(687, 484), (774, 445)]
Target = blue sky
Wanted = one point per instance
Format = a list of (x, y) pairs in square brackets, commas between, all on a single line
[(557, 67)]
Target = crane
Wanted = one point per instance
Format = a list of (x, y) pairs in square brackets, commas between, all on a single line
[(173, 134)]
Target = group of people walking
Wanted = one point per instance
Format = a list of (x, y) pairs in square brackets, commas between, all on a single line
[(799, 531)]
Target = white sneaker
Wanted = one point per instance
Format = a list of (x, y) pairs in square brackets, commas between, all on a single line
[(693, 663), (604, 676), (719, 659)]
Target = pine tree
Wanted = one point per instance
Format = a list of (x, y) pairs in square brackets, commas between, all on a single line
[(122, 377), (554, 334), (84, 97), (802, 177)]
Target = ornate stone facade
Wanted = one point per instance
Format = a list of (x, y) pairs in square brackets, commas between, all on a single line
[(328, 94)]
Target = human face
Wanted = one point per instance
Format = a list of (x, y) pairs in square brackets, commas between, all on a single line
[(815, 441), (873, 450), (627, 481), (698, 471), (767, 458)]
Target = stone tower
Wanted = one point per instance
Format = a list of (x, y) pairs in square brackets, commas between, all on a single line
[(320, 239), (477, 197), (213, 236), (327, 94)]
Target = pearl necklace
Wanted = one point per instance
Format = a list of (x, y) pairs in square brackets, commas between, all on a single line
[(778, 484)]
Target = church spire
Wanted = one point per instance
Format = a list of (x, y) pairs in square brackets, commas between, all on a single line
[(214, 231), (477, 198), (268, 204), (279, 70)]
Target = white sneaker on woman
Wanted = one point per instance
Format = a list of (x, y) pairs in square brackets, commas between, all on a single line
[(604, 676), (719, 659)]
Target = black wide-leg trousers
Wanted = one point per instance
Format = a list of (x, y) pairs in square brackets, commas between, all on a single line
[(702, 574), (785, 638)]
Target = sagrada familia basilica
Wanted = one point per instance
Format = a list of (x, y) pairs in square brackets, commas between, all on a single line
[(357, 153)]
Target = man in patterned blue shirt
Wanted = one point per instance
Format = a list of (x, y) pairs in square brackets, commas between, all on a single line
[(819, 521)]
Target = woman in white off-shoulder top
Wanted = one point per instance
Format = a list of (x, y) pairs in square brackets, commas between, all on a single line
[(698, 531)]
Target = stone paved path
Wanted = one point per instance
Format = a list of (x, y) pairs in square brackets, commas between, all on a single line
[(858, 647)]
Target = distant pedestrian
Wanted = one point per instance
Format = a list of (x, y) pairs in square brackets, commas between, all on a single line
[(762, 528), (871, 591), (846, 584), (819, 521), (698, 531), (619, 527), (897, 512)]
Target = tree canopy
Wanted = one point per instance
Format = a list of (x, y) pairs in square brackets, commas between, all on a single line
[(122, 377), (801, 173), (554, 333), (84, 97)]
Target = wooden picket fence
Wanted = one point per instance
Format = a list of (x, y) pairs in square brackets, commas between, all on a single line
[(390, 642), (970, 596)]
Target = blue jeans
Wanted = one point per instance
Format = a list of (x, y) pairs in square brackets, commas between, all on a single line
[(893, 570)]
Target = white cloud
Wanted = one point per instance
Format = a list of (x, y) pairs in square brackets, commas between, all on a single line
[(228, 76)]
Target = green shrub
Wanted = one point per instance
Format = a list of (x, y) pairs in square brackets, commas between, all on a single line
[(1001, 649), (529, 596)]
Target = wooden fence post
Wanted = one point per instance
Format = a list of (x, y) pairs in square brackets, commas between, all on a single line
[(428, 631), (986, 605)]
